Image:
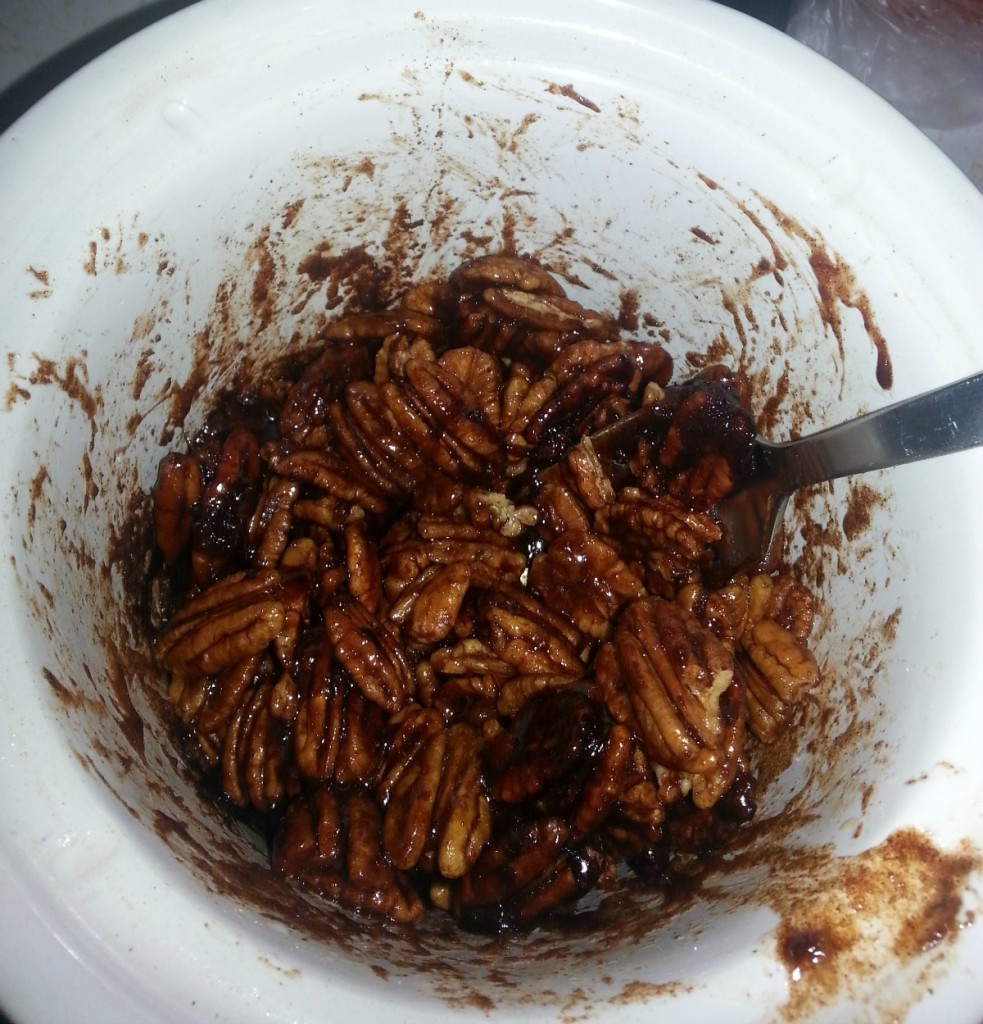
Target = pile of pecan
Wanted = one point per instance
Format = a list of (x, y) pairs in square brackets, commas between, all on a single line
[(450, 648)]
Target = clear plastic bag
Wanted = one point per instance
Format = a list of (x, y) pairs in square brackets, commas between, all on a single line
[(924, 56)]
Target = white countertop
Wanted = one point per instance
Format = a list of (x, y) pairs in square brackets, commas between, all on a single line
[(33, 31)]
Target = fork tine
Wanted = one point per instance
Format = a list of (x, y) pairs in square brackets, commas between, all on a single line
[(752, 524)]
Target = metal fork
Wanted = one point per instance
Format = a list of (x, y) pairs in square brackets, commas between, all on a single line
[(939, 422)]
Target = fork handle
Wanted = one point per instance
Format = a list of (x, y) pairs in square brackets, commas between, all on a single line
[(948, 419)]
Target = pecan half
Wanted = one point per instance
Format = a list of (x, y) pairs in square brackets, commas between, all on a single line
[(371, 444), (677, 674), (447, 540), (332, 841), (584, 578), (548, 752), (255, 746), (224, 694), (233, 619), (546, 312), (322, 469), (529, 636), (587, 476), (452, 420), (379, 325), (567, 411), (779, 671), (304, 412), (505, 271), (272, 521), (605, 786), (489, 509), (370, 652), (362, 562), (435, 602), (224, 510), (530, 870), (175, 495), (724, 610), (338, 733), (772, 655), (437, 814), (784, 601), (670, 541)]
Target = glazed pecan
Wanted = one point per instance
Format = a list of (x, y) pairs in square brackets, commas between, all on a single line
[(370, 652), (604, 789), (547, 752), (670, 541), (434, 299), (224, 694), (395, 352), (505, 271), (567, 411), (448, 540), (561, 509), (323, 470), (540, 648), (430, 607), (524, 396), (489, 509), (516, 692), (450, 418), (528, 635), (338, 733), (304, 412), (407, 826), (463, 680), (530, 870), (546, 312), (470, 656), (649, 363), (772, 656), (587, 476), (687, 704), (783, 600), (270, 528), (407, 733), (477, 324), (723, 610), (372, 445), (438, 814), (233, 619), (473, 376), (224, 510), (332, 841), (641, 806), (545, 415), (296, 588), (362, 562), (561, 757), (583, 577), (379, 325), (175, 495), (255, 747)]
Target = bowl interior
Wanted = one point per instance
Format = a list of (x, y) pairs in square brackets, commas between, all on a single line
[(647, 156)]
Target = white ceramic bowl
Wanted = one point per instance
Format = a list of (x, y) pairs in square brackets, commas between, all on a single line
[(155, 210)]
